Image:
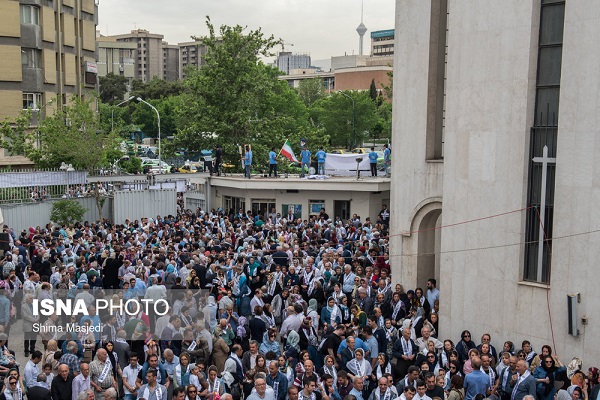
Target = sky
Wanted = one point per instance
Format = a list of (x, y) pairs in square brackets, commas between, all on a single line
[(322, 28)]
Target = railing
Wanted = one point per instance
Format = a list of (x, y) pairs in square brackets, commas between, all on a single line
[(38, 194)]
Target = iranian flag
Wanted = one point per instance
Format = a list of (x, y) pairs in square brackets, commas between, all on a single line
[(287, 152)]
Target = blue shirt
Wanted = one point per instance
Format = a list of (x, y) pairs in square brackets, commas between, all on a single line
[(248, 160), (321, 156), (477, 382), (305, 154), (358, 344), (373, 157), (272, 157), (386, 154)]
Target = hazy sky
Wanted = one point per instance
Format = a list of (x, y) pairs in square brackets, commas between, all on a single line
[(323, 28)]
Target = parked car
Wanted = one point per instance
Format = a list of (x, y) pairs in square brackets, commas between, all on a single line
[(188, 169)]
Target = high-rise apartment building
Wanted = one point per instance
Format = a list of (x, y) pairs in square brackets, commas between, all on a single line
[(190, 53), (287, 61), (47, 50), (170, 62), (117, 58), (149, 61), (153, 56)]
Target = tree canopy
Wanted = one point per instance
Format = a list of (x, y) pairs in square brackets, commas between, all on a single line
[(71, 135), (112, 88)]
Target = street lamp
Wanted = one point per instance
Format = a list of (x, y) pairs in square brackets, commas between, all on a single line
[(353, 143), (112, 117), (158, 116)]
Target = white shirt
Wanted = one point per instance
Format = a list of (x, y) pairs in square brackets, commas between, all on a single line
[(31, 373), (130, 375)]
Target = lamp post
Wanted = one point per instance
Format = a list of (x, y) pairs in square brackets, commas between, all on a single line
[(158, 116), (112, 116), (353, 140)]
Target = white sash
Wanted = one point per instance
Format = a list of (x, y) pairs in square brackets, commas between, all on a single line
[(215, 386), (386, 396), (334, 314), (397, 309), (105, 371), (388, 333), (358, 368), (331, 372), (157, 392), (407, 347), (380, 371), (192, 346), (272, 287)]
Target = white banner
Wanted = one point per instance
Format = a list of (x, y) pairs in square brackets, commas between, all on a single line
[(345, 164), (42, 178)]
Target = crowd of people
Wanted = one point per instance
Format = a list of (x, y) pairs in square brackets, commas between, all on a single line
[(255, 306)]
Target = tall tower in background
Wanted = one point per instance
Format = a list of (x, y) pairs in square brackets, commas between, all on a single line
[(362, 29)]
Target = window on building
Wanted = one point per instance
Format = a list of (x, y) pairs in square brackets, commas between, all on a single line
[(544, 133), (341, 209), (314, 206), (32, 101), (31, 58), (262, 207), (234, 204), (30, 14)]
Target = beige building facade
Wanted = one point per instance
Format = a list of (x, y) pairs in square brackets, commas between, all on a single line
[(47, 53), (479, 91), (117, 58)]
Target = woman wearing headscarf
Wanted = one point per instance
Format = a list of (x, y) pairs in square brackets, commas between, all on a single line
[(331, 313), (170, 276), (358, 313), (181, 373), (446, 352), (454, 369), (292, 348), (309, 340), (398, 309), (329, 368), (114, 359), (270, 342), (464, 346), (345, 310), (48, 357), (110, 271), (359, 366), (545, 376), (391, 335), (384, 366), (13, 384)]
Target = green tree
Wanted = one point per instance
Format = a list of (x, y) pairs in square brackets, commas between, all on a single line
[(310, 90), (156, 89), (112, 88), (335, 114), (14, 135), (66, 212), (230, 91), (373, 90), (388, 88), (72, 136), (132, 165)]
